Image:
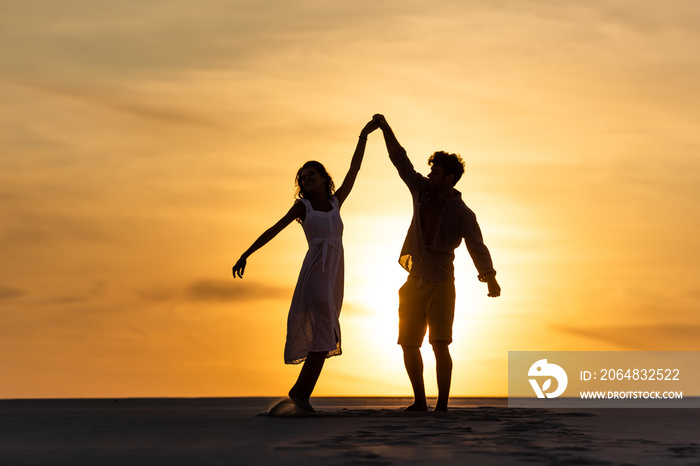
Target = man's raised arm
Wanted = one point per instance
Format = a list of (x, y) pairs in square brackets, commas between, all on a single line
[(398, 157), (392, 144)]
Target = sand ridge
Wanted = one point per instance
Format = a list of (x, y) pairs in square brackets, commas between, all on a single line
[(344, 431)]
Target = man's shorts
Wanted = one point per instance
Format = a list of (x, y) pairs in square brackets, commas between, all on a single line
[(424, 305)]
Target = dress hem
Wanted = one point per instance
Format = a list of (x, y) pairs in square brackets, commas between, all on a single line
[(336, 352)]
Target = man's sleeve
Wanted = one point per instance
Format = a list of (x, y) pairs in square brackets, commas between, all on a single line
[(405, 168), (476, 247)]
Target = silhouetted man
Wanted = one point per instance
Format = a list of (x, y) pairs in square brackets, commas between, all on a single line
[(427, 300)]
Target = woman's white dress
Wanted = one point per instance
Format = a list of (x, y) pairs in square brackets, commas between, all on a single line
[(313, 323)]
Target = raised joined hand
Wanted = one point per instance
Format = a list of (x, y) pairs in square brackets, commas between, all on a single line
[(380, 120), (369, 127)]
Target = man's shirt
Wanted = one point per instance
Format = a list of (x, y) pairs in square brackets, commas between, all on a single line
[(435, 261)]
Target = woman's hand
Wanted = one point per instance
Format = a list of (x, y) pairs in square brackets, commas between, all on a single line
[(239, 268), (369, 127), (381, 121)]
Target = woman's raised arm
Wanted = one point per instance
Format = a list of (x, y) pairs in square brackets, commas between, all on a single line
[(344, 190)]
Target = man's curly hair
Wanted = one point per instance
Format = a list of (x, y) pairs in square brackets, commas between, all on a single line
[(452, 164)]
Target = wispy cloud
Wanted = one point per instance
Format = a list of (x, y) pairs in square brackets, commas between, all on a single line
[(10, 292), (123, 100), (218, 290), (659, 337)]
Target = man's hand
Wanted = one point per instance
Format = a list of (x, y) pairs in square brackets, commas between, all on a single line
[(381, 121), (392, 144), (490, 280), (494, 287)]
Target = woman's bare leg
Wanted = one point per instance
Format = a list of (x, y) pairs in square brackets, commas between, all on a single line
[(310, 371)]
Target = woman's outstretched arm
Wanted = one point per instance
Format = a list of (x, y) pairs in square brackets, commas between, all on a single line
[(297, 211), (344, 190)]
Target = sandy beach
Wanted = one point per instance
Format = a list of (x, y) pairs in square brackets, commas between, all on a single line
[(226, 431)]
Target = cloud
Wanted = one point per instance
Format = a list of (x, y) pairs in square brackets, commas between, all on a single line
[(643, 337), (162, 38), (218, 290), (227, 290), (124, 101), (8, 292)]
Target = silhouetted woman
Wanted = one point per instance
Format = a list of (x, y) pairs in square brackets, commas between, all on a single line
[(313, 328)]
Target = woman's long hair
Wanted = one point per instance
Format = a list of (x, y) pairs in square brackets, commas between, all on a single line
[(301, 193)]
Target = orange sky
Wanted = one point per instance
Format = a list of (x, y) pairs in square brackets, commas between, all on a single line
[(144, 146)]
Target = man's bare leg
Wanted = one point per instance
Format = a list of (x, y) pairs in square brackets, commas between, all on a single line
[(443, 365), (310, 371), (413, 361)]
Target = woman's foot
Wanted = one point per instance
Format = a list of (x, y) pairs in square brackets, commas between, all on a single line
[(416, 407), (303, 404), (289, 408)]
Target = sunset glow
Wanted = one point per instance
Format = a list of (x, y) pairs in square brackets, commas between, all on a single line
[(144, 146)]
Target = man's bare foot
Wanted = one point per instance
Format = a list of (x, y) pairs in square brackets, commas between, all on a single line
[(441, 406), (416, 407)]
